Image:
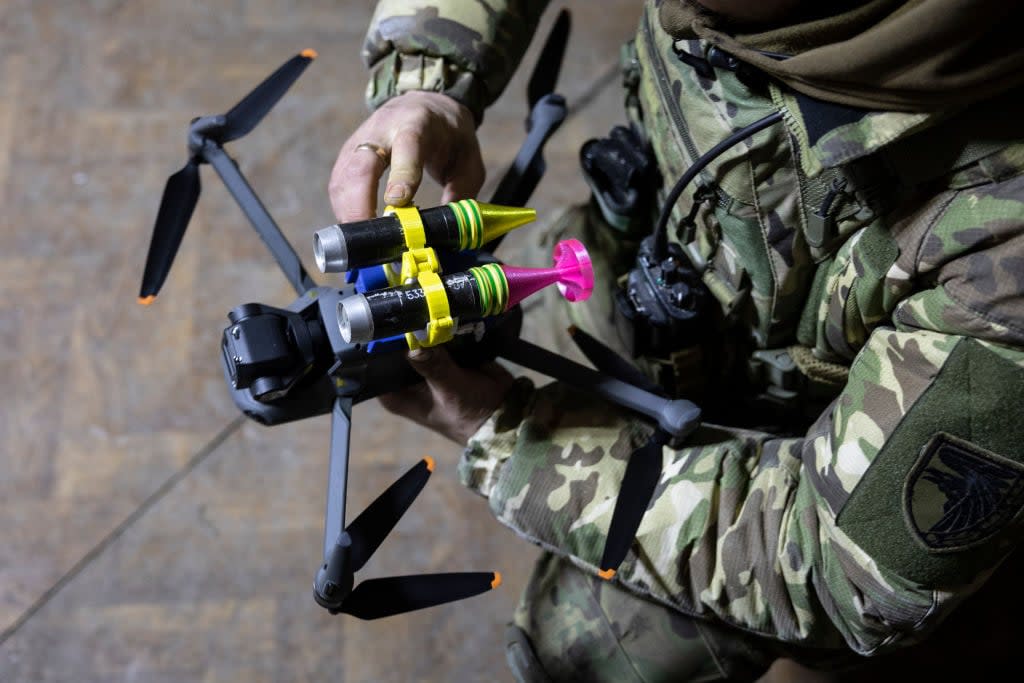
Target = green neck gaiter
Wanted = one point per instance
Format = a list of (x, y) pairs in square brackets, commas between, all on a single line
[(901, 55)]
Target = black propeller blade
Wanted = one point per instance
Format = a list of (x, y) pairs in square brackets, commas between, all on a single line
[(545, 74), (182, 189), (245, 115), (385, 597), (638, 483), (179, 201), (372, 526)]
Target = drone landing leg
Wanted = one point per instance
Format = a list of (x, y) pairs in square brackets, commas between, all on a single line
[(258, 216), (337, 474)]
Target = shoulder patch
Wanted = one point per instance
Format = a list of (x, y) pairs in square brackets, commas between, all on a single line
[(958, 494)]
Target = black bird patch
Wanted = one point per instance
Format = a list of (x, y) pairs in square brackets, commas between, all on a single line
[(959, 495)]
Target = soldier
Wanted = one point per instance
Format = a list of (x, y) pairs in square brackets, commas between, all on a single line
[(859, 472)]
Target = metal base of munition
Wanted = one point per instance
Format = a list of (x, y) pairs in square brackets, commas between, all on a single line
[(456, 226)]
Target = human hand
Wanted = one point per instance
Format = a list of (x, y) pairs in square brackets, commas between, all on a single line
[(415, 131), (420, 131), (453, 401)]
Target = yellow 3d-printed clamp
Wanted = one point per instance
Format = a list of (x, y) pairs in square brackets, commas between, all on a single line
[(412, 225), (419, 258), (414, 262), (441, 327)]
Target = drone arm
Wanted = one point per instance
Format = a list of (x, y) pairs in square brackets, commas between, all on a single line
[(334, 578), (526, 170), (611, 363), (678, 418), (337, 475), (258, 215)]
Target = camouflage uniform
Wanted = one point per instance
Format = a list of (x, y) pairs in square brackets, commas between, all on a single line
[(868, 267)]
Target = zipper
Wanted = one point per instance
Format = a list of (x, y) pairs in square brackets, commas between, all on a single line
[(661, 78), (665, 87)]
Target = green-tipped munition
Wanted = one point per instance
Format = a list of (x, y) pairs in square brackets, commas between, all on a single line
[(456, 226)]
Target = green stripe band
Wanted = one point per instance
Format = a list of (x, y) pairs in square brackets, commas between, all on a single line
[(474, 228), (479, 222), (499, 286), (503, 284), (482, 290), (458, 221), (463, 219), (492, 287)]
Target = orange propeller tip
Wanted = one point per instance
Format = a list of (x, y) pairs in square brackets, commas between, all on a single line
[(607, 574), (147, 300), (309, 53), (430, 463), (496, 581)]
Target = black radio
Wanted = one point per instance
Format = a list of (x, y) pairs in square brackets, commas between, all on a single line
[(663, 303)]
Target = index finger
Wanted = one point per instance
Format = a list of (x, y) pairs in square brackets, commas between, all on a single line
[(354, 180)]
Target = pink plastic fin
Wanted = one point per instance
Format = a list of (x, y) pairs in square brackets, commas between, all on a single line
[(575, 271)]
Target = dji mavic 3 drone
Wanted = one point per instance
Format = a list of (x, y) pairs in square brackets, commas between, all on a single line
[(320, 355)]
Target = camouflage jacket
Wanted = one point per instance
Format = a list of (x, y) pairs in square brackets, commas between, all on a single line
[(906, 285)]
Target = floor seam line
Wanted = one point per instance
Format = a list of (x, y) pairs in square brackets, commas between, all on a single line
[(595, 88), (137, 514)]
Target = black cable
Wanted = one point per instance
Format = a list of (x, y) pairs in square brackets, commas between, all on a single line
[(661, 228)]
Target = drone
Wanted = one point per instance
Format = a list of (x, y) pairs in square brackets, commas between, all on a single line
[(422, 277)]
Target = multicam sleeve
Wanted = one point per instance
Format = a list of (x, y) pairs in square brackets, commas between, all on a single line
[(865, 532), (468, 50)]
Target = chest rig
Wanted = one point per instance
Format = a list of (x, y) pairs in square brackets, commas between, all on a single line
[(718, 289)]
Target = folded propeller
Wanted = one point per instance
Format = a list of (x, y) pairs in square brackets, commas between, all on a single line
[(207, 134), (385, 597), (643, 470)]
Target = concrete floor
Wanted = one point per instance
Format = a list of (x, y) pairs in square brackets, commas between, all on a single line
[(146, 532)]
